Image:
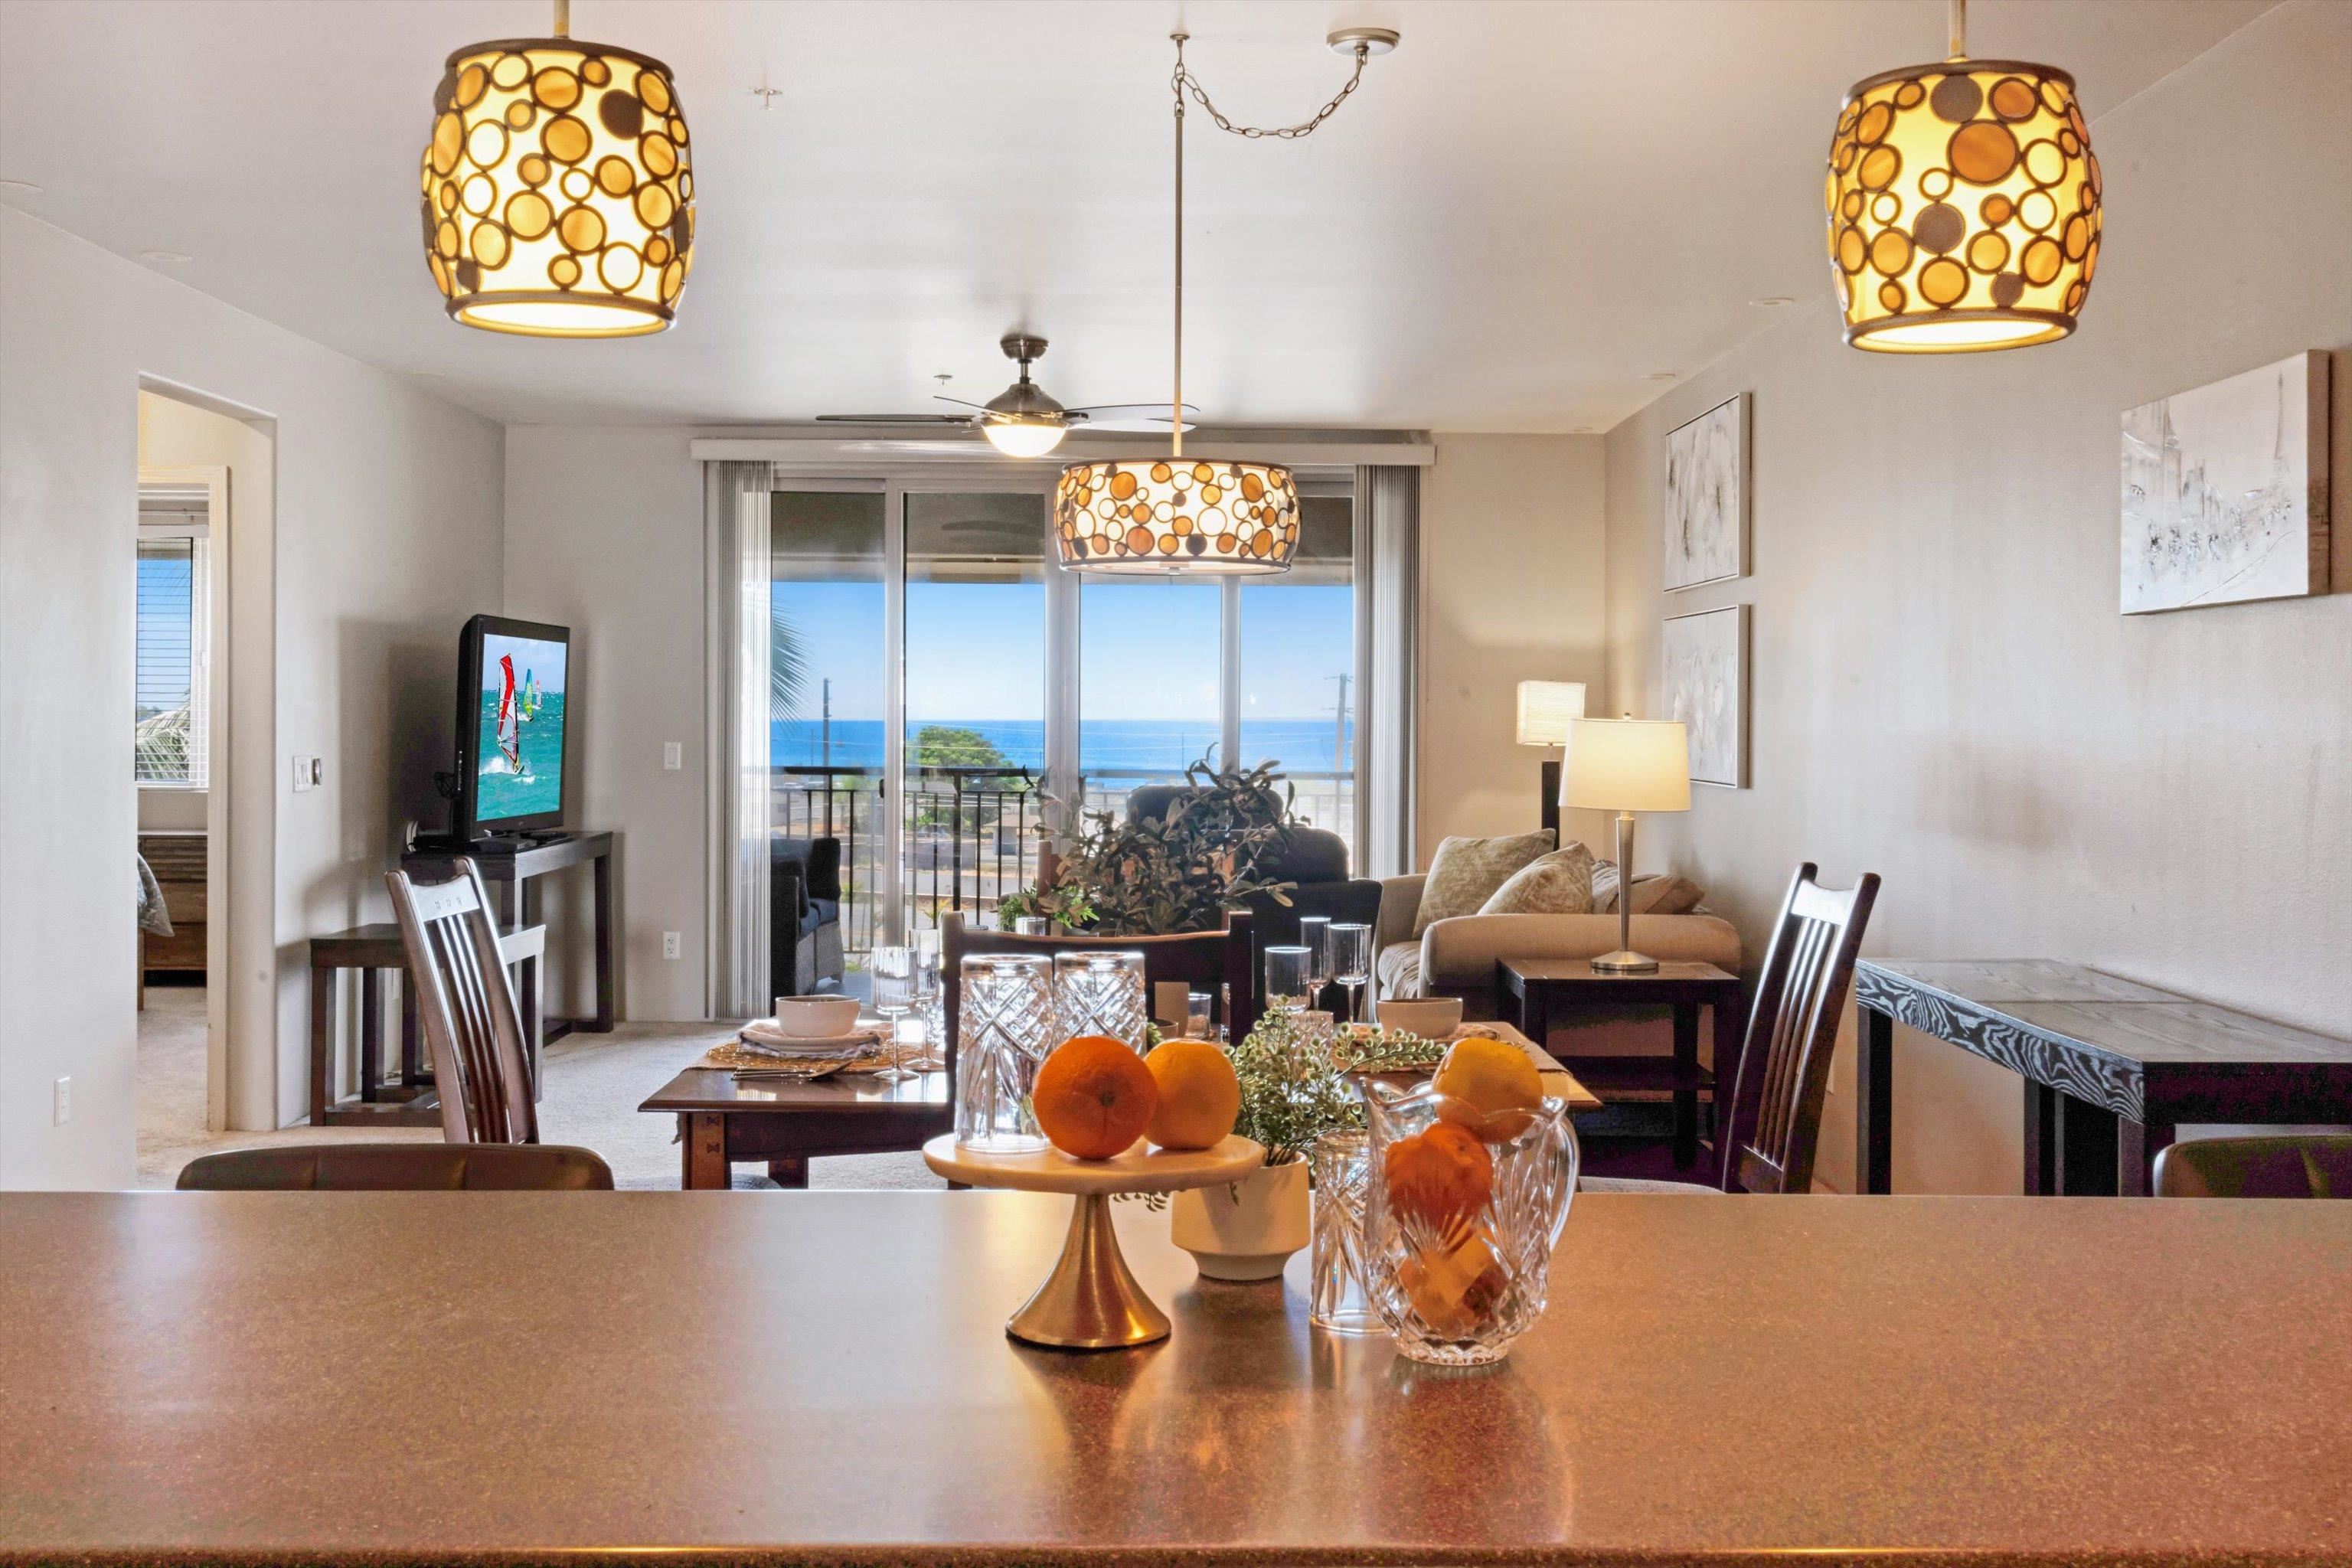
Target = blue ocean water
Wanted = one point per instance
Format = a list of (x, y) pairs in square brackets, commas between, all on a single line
[(540, 787), (1160, 745)]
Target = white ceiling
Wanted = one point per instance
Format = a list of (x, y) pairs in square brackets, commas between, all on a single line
[(1526, 213)]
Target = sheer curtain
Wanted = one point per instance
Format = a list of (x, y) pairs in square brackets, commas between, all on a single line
[(1388, 577), (735, 532)]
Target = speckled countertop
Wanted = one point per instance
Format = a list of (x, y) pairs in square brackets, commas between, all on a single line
[(823, 1378)]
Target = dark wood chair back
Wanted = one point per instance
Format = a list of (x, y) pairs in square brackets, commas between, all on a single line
[(2288, 1166), (1217, 962), (466, 1005), (1784, 1062), (400, 1168)]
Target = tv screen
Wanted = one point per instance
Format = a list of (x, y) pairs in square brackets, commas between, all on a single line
[(514, 677)]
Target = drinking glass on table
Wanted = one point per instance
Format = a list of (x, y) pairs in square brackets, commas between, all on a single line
[(1199, 1009), (1314, 932), (1288, 973), (892, 969), (931, 999), (1350, 948)]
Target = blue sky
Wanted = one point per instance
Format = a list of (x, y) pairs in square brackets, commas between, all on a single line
[(1148, 650), (163, 612), (532, 657)]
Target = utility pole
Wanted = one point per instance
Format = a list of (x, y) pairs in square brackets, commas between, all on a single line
[(824, 730), (1339, 726)]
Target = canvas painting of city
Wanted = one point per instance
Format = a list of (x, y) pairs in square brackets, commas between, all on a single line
[(2225, 490)]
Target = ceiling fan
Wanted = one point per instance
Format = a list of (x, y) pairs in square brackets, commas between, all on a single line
[(1023, 421)]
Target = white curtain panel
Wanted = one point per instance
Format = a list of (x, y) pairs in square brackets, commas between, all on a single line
[(735, 529), (1388, 578)]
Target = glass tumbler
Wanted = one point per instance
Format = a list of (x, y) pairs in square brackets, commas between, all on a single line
[(1099, 990), (1289, 971), (1461, 1212), (1338, 1301), (1006, 1027)]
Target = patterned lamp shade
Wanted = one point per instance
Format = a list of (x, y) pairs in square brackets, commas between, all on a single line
[(1176, 514), (558, 199), (1963, 208)]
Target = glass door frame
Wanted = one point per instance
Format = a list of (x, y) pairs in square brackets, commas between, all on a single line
[(895, 481)]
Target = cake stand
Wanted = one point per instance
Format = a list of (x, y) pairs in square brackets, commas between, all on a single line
[(1090, 1301)]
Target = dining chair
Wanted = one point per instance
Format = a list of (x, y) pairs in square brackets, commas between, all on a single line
[(1767, 1143), (2286, 1165), (400, 1168), (467, 1004), (1217, 962)]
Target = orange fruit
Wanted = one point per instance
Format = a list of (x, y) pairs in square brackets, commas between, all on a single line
[(1498, 1082), (1200, 1098), (1094, 1097), (1440, 1177)]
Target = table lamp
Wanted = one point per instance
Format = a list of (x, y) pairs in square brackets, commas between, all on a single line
[(1546, 707), (1626, 765)]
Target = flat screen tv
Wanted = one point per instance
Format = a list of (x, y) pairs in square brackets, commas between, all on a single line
[(513, 730)]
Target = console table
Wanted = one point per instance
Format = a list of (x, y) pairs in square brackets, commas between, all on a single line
[(2111, 1066), (409, 1099), (512, 874)]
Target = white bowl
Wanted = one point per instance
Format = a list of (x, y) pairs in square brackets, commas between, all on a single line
[(816, 1018), (1431, 1017)]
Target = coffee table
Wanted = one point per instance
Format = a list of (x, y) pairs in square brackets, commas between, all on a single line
[(1542, 987), (782, 1124)]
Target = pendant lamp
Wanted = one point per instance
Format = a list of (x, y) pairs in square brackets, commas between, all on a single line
[(558, 196), (1963, 205), (1166, 514)]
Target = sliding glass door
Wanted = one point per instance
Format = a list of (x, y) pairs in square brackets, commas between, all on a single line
[(938, 683)]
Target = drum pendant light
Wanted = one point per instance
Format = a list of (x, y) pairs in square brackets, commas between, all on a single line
[(557, 192), (1172, 514), (1964, 206)]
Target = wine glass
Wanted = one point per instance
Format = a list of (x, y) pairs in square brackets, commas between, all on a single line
[(1288, 973), (930, 993), (892, 969), (1351, 963), (1314, 931)]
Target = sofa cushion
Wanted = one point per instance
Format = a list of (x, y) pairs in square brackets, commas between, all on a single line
[(1560, 883), (1397, 971), (1665, 895), (1465, 872)]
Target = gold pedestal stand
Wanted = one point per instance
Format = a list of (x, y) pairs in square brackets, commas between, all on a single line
[(1091, 1301)]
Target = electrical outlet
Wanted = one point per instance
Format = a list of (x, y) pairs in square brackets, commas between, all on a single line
[(61, 1107), (673, 756), (669, 944)]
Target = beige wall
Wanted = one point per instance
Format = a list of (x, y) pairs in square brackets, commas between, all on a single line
[(1943, 689), (387, 503), (1513, 580), (604, 534)]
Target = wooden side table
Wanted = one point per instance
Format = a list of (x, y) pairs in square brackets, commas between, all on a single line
[(1541, 987), (407, 1100)]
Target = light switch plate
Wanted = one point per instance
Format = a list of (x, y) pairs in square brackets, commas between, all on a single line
[(309, 773), (673, 756)]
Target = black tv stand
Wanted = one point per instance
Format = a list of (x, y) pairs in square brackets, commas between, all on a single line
[(492, 843), (512, 864)]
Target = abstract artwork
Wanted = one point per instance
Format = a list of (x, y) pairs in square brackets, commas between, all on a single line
[(1705, 659), (1707, 496), (2225, 490)]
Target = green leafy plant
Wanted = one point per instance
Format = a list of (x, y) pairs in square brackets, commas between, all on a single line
[(1295, 1084), (1179, 872)]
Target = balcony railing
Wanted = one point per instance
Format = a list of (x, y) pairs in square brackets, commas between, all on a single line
[(969, 834)]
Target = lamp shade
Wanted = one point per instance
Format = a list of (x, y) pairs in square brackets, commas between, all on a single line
[(1964, 207), (1544, 708), (558, 201), (1626, 764), (1176, 514)]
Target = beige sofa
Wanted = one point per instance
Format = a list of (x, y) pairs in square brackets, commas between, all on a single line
[(1456, 957)]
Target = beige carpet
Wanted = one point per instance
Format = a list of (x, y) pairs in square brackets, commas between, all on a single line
[(594, 1083)]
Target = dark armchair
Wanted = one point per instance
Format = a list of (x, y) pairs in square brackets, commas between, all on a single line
[(804, 951)]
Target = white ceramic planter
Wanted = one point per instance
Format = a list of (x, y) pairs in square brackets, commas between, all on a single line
[(1247, 1229)]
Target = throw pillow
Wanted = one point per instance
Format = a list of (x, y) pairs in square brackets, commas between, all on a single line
[(1665, 895), (1560, 883), (1465, 872), (1604, 887)]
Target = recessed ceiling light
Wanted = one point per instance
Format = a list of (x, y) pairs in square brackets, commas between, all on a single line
[(165, 255), (1772, 301), (20, 188), (1660, 375)]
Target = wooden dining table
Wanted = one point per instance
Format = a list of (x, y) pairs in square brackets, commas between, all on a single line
[(824, 1378)]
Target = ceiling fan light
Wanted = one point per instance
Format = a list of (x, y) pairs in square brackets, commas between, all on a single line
[(1024, 437), (1964, 207), (1147, 516), (557, 192)]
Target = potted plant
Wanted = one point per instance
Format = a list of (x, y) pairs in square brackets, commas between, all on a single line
[(1293, 1089)]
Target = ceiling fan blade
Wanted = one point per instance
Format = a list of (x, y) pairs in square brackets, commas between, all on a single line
[(892, 419), (1096, 413), (959, 403)]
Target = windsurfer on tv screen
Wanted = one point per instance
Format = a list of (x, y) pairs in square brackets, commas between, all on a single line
[(510, 717)]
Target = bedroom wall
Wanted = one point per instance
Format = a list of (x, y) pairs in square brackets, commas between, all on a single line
[(388, 508), (1943, 689)]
